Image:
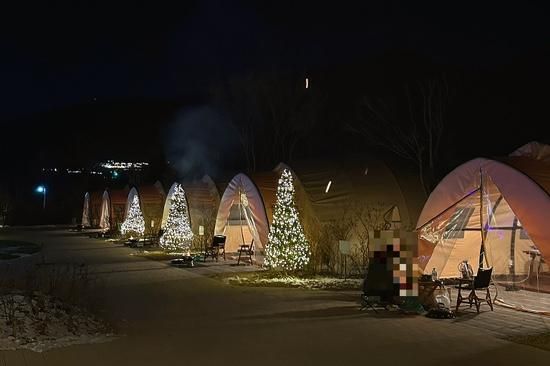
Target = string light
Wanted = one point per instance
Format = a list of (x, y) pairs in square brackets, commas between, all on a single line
[(287, 248), (134, 223), (177, 234)]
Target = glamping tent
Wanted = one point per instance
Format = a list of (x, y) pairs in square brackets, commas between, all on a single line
[(202, 201), (113, 206), (343, 201), (151, 201), (91, 209), (86, 211), (245, 210), (329, 190), (494, 213)]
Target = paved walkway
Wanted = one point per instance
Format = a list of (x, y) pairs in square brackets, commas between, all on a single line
[(503, 322), (178, 316)]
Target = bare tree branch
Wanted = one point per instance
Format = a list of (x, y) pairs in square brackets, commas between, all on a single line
[(415, 137)]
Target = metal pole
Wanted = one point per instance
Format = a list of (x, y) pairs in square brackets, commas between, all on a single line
[(481, 190), (44, 200), (241, 215)]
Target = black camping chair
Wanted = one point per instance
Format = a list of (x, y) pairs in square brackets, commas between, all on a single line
[(216, 248), (480, 282), (378, 287), (246, 249)]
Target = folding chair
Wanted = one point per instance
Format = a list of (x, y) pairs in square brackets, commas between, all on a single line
[(247, 249), (216, 248), (480, 282), (378, 286)]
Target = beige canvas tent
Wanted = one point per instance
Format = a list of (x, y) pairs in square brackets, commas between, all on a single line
[(113, 206), (202, 201), (327, 191), (498, 207), (86, 211), (245, 210), (91, 209), (151, 202), (332, 191)]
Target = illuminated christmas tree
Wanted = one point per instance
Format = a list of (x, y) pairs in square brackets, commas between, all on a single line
[(287, 247), (134, 223), (177, 234)]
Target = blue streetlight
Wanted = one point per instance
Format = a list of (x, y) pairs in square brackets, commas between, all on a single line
[(42, 189)]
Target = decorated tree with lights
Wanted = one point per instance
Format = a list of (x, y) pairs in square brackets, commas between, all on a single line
[(287, 248), (177, 234), (134, 223)]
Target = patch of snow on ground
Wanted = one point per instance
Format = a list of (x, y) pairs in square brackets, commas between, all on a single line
[(39, 322), (291, 281)]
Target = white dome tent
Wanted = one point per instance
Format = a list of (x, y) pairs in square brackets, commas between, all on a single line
[(245, 208), (91, 209), (113, 208), (151, 200), (86, 211), (105, 218), (202, 202), (497, 208)]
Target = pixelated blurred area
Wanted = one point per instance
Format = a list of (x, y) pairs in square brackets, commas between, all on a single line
[(397, 249)]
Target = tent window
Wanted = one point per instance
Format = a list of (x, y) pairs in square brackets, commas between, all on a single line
[(457, 223), (523, 235), (235, 216)]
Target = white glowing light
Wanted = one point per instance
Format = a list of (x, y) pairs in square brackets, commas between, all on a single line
[(177, 234), (287, 247), (111, 164), (328, 186), (307, 83)]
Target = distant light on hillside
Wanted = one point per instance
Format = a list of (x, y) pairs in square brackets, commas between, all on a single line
[(111, 164)]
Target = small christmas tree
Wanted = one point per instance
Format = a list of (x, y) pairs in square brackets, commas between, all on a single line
[(287, 247), (177, 234), (134, 223)]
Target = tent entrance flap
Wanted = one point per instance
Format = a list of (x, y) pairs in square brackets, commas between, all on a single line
[(240, 228), (242, 215), (519, 270), (451, 238)]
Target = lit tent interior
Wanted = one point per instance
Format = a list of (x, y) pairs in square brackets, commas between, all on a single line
[(151, 202), (113, 206), (202, 202), (245, 210), (501, 205)]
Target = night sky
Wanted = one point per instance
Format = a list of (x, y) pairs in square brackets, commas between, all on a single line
[(71, 69)]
